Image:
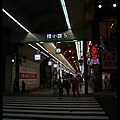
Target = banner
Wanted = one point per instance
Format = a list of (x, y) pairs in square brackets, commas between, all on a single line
[(109, 60), (29, 75)]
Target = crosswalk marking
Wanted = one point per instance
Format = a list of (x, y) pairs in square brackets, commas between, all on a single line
[(58, 117), (50, 105), (67, 108), (51, 112)]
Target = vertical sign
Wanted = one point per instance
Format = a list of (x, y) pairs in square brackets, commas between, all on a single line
[(94, 54)]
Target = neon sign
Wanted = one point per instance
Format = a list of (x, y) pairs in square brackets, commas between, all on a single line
[(94, 54)]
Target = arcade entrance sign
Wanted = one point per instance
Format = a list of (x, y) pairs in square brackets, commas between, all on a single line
[(58, 36), (69, 35)]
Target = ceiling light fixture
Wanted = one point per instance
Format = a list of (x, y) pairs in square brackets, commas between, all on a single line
[(99, 6), (65, 13), (15, 20), (32, 46), (41, 42), (58, 42), (44, 54), (74, 40), (114, 5)]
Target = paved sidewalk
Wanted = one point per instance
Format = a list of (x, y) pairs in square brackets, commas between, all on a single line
[(82, 92), (49, 92)]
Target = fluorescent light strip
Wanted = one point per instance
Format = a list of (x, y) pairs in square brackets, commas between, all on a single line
[(89, 42), (88, 46), (32, 46), (15, 20), (44, 54), (54, 57), (65, 13), (54, 60), (81, 48), (77, 44), (33, 36), (18, 23), (42, 47)]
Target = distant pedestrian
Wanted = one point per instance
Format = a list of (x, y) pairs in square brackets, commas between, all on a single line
[(23, 87), (60, 87), (67, 87), (75, 88)]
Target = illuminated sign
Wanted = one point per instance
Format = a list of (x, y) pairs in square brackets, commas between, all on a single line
[(94, 54), (57, 50), (49, 63), (37, 57), (55, 65), (29, 75), (58, 36)]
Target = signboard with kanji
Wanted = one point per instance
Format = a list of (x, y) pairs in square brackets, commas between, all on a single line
[(94, 59), (109, 60), (58, 36), (28, 75)]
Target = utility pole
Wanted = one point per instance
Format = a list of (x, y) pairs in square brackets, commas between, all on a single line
[(17, 69), (85, 66)]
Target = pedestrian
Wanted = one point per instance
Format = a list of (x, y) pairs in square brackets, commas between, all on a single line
[(75, 88), (60, 87), (23, 87), (67, 87)]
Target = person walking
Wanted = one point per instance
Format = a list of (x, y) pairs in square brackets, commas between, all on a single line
[(23, 87), (67, 87), (75, 88), (60, 87)]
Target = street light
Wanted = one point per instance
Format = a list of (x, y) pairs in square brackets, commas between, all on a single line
[(114, 5), (99, 6), (13, 58)]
